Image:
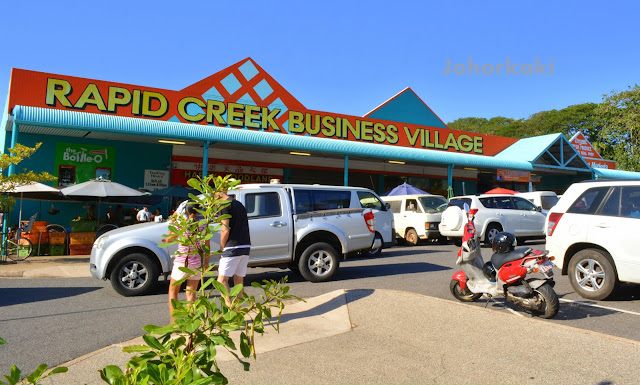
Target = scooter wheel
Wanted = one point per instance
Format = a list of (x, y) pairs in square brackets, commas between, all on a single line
[(549, 298), (463, 295)]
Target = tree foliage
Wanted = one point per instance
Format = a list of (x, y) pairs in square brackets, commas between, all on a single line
[(620, 133), (9, 183)]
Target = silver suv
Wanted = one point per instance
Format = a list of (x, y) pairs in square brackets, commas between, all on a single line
[(593, 234), (493, 213)]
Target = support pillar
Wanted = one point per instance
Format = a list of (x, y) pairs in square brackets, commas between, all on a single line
[(346, 170), (205, 159), (450, 180)]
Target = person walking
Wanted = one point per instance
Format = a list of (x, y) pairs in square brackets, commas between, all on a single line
[(144, 215), (235, 243), (186, 256)]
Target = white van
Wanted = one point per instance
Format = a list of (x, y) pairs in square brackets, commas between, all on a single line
[(416, 216), (544, 199)]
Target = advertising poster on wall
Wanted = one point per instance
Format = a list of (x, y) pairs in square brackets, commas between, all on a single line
[(156, 179), (77, 163)]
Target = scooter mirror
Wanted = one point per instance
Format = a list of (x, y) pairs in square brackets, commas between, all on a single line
[(466, 207)]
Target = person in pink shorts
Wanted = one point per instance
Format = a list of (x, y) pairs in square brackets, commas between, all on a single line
[(186, 256)]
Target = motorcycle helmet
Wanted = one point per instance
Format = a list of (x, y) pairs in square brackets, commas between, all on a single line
[(503, 243)]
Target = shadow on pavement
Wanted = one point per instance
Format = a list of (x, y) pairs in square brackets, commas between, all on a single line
[(355, 272), (15, 296)]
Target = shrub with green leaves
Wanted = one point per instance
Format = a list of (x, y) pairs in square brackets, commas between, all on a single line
[(184, 352)]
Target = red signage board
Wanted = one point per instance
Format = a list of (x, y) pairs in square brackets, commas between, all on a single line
[(240, 99), (582, 145), (601, 163), (514, 176)]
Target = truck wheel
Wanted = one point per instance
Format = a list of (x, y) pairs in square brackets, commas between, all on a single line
[(372, 253), (592, 274), (318, 262), (411, 238), (135, 274)]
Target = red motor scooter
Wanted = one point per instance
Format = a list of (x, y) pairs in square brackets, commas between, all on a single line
[(505, 274)]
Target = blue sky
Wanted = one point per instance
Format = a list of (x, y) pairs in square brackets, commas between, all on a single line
[(340, 56)]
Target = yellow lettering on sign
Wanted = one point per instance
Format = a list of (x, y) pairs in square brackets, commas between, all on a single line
[(477, 144), (465, 143), (135, 107), (392, 134), (215, 109), (296, 122), (118, 96), (451, 142), (182, 109), (413, 138), (91, 95), (251, 113), (268, 119), (147, 98), (235, 114), (366, 131), (378, 130), (328, 126), (58, 89), (314, 127)]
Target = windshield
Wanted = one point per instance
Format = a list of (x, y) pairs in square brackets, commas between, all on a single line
[(431, 203)]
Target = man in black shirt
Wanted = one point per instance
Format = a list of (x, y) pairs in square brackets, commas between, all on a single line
[(235, 242)]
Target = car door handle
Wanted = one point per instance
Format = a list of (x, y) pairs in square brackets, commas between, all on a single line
[(278, 224), (602, 225)]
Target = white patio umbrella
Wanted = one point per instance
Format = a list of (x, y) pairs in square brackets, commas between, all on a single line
[(32, 190), (100, 188)]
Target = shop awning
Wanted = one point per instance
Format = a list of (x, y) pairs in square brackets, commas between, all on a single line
[(61, 121), (604, 173)]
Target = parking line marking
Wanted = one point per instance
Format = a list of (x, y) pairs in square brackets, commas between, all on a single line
[(600, 306)]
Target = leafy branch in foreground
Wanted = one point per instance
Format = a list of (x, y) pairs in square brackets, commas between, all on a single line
[(185, 351), (39, 374)]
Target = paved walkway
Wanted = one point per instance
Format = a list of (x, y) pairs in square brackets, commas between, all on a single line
[(391, 337)]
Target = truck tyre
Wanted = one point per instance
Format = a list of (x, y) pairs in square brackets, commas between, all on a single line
[(592, 274), (133, 275), (319, 262), (411, 237), (372, 253)]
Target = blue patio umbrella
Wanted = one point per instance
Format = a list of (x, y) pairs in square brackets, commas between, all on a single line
[(406, 189), (177, 191)]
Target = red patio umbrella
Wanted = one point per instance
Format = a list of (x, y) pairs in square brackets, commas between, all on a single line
[(500, 190)]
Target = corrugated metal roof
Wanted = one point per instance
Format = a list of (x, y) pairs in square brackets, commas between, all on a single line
[(528, 149), (35, 116), (616, 174)]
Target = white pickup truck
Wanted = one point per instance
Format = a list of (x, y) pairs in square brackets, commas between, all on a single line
[(304, 228)]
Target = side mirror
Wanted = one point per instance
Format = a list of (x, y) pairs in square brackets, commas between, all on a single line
[(387, 206), (538, 208)]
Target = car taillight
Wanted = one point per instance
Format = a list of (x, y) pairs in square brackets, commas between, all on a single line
[(371, 221), (554, 218)]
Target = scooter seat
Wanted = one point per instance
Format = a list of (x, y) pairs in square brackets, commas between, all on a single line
[(499, 259)]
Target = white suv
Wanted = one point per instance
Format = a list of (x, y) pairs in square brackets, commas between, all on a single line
[(493, 213), (592, 233)]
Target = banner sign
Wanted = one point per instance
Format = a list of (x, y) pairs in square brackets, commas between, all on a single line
[(156, 179), (182, 171), (38, 89), (590, 155), (77, 163), (514, 176)]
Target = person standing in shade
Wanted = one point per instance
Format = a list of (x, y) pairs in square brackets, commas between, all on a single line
[(144, 215), (235, 242), (186, 256)]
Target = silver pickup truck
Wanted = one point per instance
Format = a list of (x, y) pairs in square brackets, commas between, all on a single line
[(304, 228)]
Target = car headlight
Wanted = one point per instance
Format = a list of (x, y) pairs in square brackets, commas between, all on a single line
[(101, 241)]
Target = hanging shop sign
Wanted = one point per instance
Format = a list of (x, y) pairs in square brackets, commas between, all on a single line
[(213, 105), (590, 155), (183, 170), (514, 176), (77, 163), (156, 179)]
